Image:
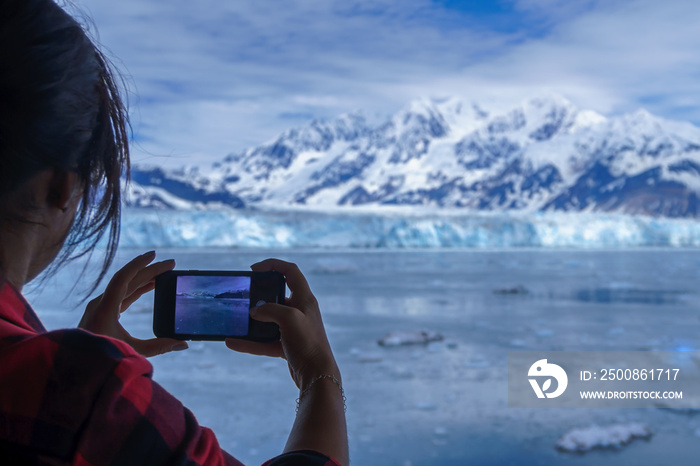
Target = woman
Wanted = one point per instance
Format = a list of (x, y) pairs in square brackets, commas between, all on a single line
[(85, 396)]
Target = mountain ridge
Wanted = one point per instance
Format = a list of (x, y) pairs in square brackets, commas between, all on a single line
[(544, 154)]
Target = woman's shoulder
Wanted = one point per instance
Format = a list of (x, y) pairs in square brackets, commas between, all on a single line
[(52, 382), (73, 354), (79, 340)]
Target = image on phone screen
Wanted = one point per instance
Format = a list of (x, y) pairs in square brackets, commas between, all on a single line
[(211, 305)]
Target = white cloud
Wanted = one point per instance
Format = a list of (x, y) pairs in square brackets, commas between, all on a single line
[(215, 77)]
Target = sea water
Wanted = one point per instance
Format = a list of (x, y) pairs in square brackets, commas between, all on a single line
[(445, 402)]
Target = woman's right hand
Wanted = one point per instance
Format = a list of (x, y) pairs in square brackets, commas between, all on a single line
[(303, 342)]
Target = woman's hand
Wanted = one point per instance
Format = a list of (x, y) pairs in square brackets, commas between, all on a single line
[(320, 421), (303, 338), (126, 286)]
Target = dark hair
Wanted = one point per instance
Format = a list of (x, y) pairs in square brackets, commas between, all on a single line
[(60, 107)]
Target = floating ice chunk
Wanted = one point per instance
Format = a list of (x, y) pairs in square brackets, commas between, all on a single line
[(409, 338), (440, 432), (544, 333), (520, 289), (612, 436)]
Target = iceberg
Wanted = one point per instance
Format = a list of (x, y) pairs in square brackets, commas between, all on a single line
[(153, 228), (612, 436), (409, 338)]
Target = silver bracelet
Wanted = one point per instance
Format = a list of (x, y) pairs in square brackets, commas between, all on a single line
[(320, 377)]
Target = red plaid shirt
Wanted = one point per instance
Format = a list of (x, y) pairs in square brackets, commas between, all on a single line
[(72, 397)]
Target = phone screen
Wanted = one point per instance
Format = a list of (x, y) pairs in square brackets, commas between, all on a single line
[(209, 305), (215, 304)]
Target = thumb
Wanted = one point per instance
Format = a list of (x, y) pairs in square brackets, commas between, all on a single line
[(277, 313), (254, 347), (156, 346)]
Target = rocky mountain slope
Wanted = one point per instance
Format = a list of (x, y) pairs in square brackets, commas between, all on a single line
[(542, 155)]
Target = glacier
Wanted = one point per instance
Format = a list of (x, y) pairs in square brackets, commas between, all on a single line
[(153, 228)]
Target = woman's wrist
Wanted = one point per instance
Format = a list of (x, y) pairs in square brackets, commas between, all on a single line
[(315, 384), (328, 368)]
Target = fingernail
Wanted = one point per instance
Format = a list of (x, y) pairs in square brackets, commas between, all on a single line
[(150, 254), (180, 346)]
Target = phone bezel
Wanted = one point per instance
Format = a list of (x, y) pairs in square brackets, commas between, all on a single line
[(164, 306)]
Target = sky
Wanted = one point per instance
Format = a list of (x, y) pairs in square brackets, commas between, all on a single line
[(212, 285), (208, 78)]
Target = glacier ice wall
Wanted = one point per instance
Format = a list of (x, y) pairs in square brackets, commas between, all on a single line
[(149, 228)]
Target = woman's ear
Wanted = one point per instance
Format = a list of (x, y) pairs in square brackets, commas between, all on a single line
[(62, 190)]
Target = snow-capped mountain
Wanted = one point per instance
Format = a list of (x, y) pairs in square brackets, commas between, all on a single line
[(542, 155)]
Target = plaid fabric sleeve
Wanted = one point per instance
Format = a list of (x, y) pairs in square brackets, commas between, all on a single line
[(133, 421), (146, 425), (71, 397)]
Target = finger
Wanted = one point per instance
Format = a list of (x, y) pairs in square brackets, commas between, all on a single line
[(295, 279), (277, 313), (150, 273), (92, 306), (129, 300), (273, 349), (119, 284), (156, 346)]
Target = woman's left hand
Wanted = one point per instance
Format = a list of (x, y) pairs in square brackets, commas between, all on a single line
[(126, 286)]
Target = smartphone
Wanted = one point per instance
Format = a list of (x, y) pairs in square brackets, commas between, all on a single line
[(214, 305)]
